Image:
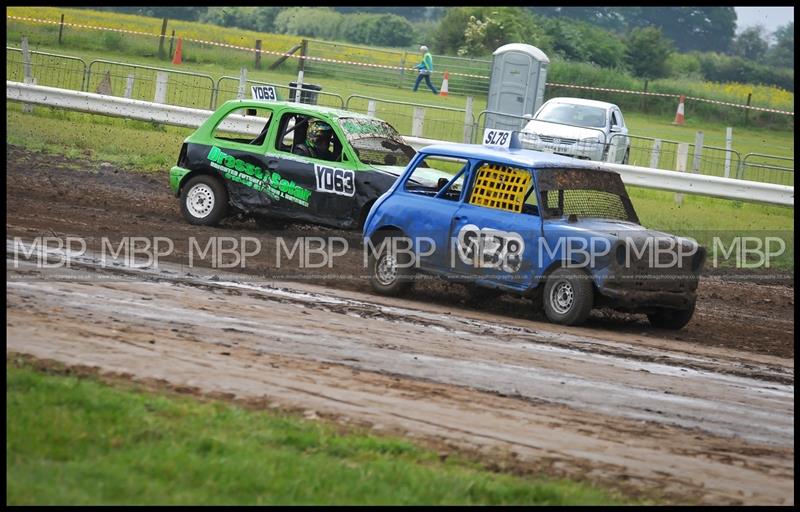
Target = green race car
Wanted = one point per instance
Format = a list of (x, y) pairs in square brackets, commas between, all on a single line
[(275, 160)]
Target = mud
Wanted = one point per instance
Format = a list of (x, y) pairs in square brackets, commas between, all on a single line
[(50, 195), (704, 415)]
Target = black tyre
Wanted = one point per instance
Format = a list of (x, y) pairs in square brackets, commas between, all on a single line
[(568, 297), (673, 319), (204, 201), (389, 271)]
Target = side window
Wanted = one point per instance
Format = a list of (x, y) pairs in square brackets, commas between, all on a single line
[(500, 186), (438, 177), (615, 118), (309, 136), (244, 125)]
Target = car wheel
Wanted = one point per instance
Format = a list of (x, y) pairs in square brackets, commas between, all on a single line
[(626, 157), (204, 200), (673, 319), (389, 273), (567, 297)]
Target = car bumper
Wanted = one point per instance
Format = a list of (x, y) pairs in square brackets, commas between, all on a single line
[(635, 299), (581, 150), (176, 175)]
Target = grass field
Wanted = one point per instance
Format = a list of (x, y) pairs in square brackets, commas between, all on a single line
[(121, 445), (770, 97)]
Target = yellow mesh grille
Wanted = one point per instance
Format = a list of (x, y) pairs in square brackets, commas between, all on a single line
[(500, 187)]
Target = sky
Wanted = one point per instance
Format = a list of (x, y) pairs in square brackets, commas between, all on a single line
[(770, 17)]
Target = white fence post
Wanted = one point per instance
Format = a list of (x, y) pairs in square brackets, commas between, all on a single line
[(655, 154), (161, 87), (298, 93), (242, 83), (129, 86), (371, 108), (417, 122), (468, 121), (26, 71), (698, 152), (728, 145), (680, 165)]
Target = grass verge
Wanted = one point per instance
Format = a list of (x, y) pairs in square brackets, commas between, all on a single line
[(75, 440)]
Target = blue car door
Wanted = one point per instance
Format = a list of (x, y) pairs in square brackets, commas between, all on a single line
[(495, 232)]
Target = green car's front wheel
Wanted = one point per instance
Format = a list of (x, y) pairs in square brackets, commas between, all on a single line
[(204, 201)]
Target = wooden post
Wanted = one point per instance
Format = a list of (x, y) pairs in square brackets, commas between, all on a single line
[(417, 122), (644, 96), (680, 166), (655, 154), (161, 87), (258, 53), (728, 144), (27, 73), (171, 42), (698, 152), (242, 83), (129, 86), (747, 110), (301, 66), (60, 29), (161, 39), (468, 121)]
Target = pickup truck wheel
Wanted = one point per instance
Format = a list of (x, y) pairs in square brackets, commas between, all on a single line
[(204, 201), (671, 318), (567, 297), (389, 273)]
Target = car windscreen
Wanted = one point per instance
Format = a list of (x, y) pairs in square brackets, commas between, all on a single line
[(578, 115), (584, 193), (376, 142)]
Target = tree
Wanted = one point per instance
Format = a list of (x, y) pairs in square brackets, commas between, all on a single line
[(689, 28), (782, 52), (647, 51), (751, 43)]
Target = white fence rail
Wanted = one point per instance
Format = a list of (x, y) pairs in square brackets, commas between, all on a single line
[(190, 117)]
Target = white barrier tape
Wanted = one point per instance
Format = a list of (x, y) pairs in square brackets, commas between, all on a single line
[(668, 95), (232, 46), (396, 68)]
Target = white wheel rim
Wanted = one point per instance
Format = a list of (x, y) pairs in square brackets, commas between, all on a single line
[(562, 297), (386, 271), (200, 201)]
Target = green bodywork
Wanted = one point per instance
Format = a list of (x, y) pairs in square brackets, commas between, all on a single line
[(204, 134)]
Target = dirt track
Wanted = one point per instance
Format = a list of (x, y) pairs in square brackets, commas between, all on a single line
[(704, 415)]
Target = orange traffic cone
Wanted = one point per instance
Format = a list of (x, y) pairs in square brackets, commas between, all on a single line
[(679, 117), (177, 58), (443, 90)]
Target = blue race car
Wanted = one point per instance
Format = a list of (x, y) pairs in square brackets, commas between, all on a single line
[(559, 230)]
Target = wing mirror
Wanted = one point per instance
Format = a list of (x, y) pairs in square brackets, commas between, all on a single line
[(615, 128)]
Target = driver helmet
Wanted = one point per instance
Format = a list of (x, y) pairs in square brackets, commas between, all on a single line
[(317, 129)]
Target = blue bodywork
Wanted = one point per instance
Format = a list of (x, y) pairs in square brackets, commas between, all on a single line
[(449, 222)]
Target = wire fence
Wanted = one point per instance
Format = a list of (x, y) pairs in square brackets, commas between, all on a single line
[(199, 90), (416, 119)]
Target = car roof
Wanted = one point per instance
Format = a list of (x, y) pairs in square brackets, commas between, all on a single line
[(301, 107), (582, 101), (515, 157)]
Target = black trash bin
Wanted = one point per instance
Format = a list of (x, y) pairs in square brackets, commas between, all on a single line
[(308, 93)]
